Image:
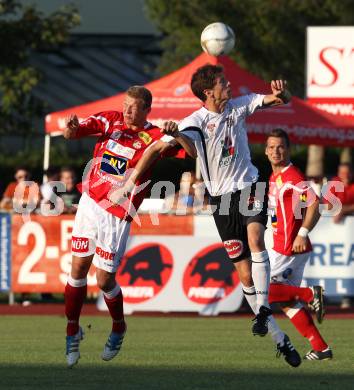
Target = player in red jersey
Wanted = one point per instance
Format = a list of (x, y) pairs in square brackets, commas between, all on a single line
[(294, 213), (102, 226)]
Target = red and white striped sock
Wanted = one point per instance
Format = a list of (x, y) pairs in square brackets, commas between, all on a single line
[(286, 293), (304, 324), (75, 294), (114, 302)]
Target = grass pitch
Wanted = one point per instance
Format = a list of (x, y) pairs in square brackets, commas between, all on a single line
[(168, 353)]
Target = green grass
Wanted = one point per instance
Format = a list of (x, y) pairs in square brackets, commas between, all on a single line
[(168, 353)]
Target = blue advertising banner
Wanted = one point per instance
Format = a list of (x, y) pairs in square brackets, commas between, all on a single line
[(332, 261), (331, 264), (5, 252)]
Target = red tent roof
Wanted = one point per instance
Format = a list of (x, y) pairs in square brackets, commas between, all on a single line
[(173, 99)]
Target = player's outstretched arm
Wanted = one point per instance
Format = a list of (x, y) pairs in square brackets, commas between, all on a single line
[(118, 195), (280, 95), (94, 125), (72, 127), (171, 128)]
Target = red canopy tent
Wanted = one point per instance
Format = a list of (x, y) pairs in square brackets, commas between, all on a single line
[(174, 100)]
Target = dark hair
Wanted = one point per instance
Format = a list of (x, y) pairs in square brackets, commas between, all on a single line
[(280, 133), (68, 169), (205, 78), (51, 172), (140, 92), (19, 168)]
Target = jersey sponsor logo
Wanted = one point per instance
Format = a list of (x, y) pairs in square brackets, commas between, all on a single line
[(137, 145), (144, 272), (210, 129), (79, 244), (273, 217), (120, 150), (234, 248), (210, 276), (228, 154), (104, 254), (229, 120), (145, 137), (114, 165), (303, 198), (279, 182), (118, 123), (116, 135)]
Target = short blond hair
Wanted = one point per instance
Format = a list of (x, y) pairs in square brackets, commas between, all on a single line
[(140, 92)]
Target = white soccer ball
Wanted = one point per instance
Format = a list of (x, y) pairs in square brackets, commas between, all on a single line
[(217, 39)]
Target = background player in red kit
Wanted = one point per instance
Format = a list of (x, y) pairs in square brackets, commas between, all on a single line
[(101, 227), (294, 213)]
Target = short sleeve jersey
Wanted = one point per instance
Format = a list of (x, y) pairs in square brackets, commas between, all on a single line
[(118, 149), (222, 144), (288, 190)]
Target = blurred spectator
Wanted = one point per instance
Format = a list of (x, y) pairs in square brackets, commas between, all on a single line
[(201, 199), (48, 191), (344, 175), (22, 193), (181, 202), (190, 197), (185, 195), (72, 195)]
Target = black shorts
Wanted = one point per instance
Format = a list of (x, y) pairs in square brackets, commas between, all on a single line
[(234, 211)]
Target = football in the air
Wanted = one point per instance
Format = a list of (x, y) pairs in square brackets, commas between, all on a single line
[(217, 39)]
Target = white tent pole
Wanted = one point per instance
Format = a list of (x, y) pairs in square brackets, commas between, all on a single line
[(197, 169), (46, 156)]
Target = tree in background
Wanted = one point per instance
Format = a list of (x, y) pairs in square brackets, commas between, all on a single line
[(270, 34), (23, 30), (270, 37)]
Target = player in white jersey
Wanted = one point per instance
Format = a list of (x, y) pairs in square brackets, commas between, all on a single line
[(219, 133), (218, 130)]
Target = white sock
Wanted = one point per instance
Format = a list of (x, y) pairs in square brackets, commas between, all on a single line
[(261, 277), (275, 332), (113, 293), (76, 282), (294, 310), (250, 295)]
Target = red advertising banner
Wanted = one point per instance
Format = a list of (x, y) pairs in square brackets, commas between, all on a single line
[(41, 248), (330, 64), (41, 254), (343, 107)]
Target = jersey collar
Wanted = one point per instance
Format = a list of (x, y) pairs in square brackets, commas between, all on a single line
[(286, 168), (214, 114)]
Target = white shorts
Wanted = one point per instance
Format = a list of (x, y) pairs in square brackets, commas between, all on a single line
[(99, 232), (287, 269)]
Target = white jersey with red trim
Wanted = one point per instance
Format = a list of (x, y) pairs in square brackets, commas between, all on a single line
[(117, 150), (288, 190), (222, 144)]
